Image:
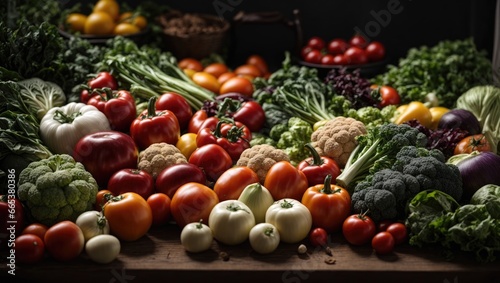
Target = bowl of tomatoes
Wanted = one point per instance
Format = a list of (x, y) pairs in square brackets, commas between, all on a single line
[(353, 53)]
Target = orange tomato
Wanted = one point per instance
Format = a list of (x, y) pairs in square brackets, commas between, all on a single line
[(160, 207), (472, 143), (225, 76), (190, 64), (109, 7), (133, 18), (329, 205), (101, 199), (125, 29), (129, 216), (76, 22), (237, 84), (283, 180), (233, 181), (258, 62), (99, 23), (207, 81), (192, 202), (216, 69), (249, 70)]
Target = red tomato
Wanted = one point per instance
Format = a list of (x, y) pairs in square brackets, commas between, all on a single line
[(216, 69), (358, 229), (249, 70), (240, 85), (383, 243), (398, 231), (117, 106), (104, 153), (259, 62), (337, 46), (375, 51), (212, 159), (472, 143), (304, 51), (382, 225), (131, 180), (160, 208), (100, 81), (129, 216), (190, 64), (358, 41), (328, 59), (250, 114), (155, 126), (314, 57), (318, 237), (225, 77), (64, 240), (178, 105), (101, 198), (356, 56), (36, 229), (29, 248), (233, 181), (283, 180), (192, 202), (340, 59), (172, 177), (316, 42), (9, 203), (389, 96), (196, 121), (329, 205)]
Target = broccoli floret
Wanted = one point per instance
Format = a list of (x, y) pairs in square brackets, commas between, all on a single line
[(407, 153), (277, 130), (56, 189), (372, 116), (377, 150), (260, 138), (293, 136)]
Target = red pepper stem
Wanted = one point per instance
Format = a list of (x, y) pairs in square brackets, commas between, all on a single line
[(152, 107), (327, 185), (317, 160)]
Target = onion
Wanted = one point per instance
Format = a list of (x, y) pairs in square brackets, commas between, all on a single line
[(477, 169), (462, 119)]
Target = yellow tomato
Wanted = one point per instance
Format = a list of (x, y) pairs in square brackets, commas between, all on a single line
[(189, 72), (207, 81), (110, 7), (99, 23), (125, 29), (76, 22), (135, 19), (187, 144)]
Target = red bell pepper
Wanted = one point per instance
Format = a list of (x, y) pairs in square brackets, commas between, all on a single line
[(101, 80), (118, 106), (317, 167)]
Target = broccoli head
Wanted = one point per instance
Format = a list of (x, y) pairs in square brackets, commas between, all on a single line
[(292, 138), (57, 188)]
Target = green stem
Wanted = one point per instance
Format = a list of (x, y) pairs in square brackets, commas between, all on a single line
[(317, 160), (62, 118)]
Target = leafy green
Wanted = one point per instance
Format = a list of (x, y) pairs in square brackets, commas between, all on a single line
[(447, 70), (41, 95)]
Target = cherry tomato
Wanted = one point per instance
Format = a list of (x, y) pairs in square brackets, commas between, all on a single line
[(382, 225), (207, 81), (316, 42), (388, 96), (154, 126), (131, 180), (318, 237), (259, 62), (177, 104), (375, 51), (471, 143), (283, 180), (129, 216), (304, 51), (383, 243), (337, 46), (398, 231), (328, 59), (329, 205), (29, 248), (192, 202), (237, 84), (36, 229), (358, 229), (216, 69), (172, 177), (233, 181), (160, 208), (356, 55), (212, 159), (191, 64), (249, 70), (340, 59), (102, 197), (314, 57), (358, 41), (64, 240)]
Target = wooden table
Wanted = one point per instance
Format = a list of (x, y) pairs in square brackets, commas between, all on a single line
[(159, 257)]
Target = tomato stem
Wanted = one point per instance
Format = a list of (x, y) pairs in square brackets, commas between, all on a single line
[(63, 118), (234, 207), (286, 204)]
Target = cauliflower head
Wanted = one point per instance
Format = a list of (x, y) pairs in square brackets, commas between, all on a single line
[(337, 138), (56, 188), (260, 158), (159, 156)]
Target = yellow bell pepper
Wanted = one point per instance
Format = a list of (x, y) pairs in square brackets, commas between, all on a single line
[(436, 113), (414, 110)]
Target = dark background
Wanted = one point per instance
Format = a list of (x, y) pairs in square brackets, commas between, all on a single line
[(416, 23)]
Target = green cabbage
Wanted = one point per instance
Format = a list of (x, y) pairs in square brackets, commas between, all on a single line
[(484, 103)]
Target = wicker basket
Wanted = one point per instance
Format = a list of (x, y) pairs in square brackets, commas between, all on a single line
[(197, 37)]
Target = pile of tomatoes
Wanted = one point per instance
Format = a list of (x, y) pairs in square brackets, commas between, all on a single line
[(106, 19), (354, 51)]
